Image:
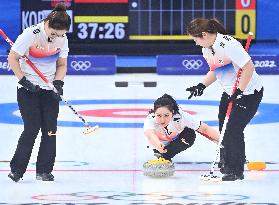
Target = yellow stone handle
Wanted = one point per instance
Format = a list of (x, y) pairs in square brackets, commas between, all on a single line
[(158, 161)]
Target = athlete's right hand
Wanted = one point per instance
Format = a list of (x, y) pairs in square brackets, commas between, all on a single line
[(28, 85), (196, 90), (161, 149), (58, 84)]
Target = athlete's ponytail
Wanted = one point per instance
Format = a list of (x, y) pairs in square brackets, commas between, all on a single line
[(58, 18), (199, 25)]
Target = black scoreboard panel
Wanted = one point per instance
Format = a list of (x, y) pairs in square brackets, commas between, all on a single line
[(157, 19), (143, 20), (101, 19)]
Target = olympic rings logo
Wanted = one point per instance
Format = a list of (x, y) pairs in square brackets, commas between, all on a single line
[(192, 64), (80, 65), (107, 196)]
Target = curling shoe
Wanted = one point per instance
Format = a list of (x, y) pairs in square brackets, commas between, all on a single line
[(232, 177), (45, 177), (14, 176), (225, 170)]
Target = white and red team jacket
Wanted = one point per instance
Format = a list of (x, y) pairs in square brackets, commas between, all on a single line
[(225, 58), (176, 125), (42, 51)]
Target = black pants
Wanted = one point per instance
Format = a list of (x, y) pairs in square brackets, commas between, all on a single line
[(183, 141), (38, 111), (234, 145)]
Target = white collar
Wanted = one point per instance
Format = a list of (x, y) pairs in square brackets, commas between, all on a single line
[(42, 27)]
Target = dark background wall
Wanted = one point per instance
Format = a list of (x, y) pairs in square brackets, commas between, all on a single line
[(267, 25)]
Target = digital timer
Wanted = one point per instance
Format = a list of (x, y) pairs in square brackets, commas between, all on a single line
[(95, 31), (96, 20)]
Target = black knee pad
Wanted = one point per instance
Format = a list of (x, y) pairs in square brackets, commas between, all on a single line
[(189, 136), (185, 140)]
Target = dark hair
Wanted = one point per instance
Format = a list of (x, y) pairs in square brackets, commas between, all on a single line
[(58, 18), (166, 101), (199, 25)]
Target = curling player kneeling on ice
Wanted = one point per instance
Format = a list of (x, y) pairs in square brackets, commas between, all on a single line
[(170, 131)]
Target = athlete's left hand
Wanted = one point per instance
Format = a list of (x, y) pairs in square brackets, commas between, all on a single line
[(236, 96), (196, 90), (58, 84)]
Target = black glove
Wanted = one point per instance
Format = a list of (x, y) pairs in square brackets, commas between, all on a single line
[(28, 85), (196, 90), (58, 84), (236, 96)]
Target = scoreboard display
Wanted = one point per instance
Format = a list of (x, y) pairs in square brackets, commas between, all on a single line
[(144, 20), (101, 19), (157, 19)]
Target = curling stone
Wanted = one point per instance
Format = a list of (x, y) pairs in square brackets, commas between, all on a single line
[(158, 168)]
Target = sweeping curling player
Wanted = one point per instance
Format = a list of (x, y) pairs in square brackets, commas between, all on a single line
[(211, 176), (89, 128)]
